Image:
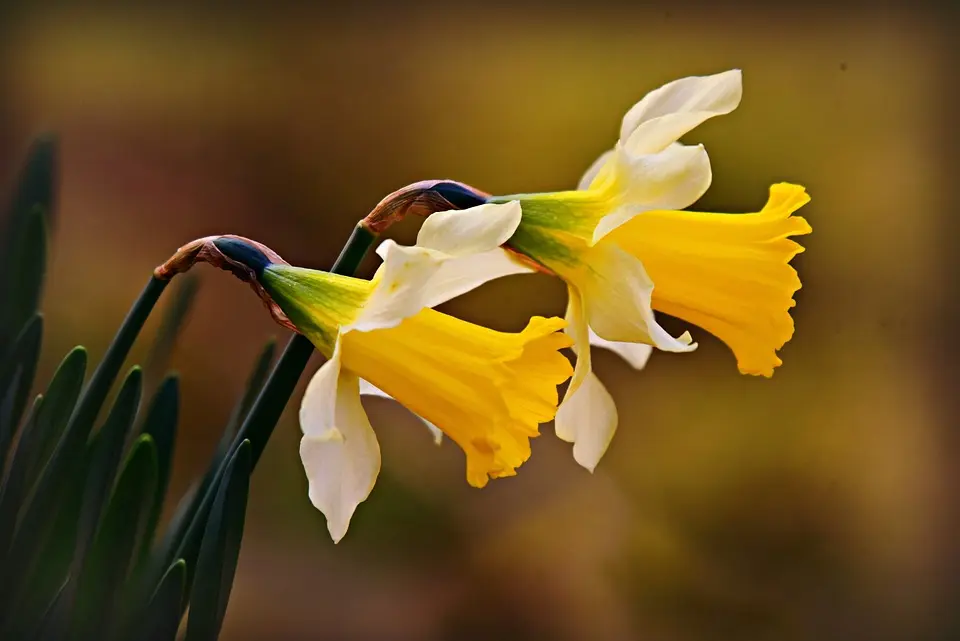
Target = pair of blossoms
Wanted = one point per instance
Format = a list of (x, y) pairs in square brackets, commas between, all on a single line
[(622, 244)]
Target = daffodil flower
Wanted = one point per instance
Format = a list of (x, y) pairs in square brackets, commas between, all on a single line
[(486, 390), (625, 248)]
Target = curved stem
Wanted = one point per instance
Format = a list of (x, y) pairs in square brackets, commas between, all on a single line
[(262, 418)]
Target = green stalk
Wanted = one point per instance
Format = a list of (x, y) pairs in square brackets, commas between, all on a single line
[(260, 422)]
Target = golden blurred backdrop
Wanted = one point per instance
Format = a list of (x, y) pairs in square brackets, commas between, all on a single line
[(815, 505)]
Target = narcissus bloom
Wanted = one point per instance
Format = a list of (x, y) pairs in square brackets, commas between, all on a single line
[(625, 248), (486, 390)]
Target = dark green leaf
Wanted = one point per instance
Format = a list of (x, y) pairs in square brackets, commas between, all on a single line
[(170, 545), (162, 618), (139, 587), (39, 436), (16, 381), (27, 265), (44, 573), (50, 623), (107, 455), (35, 184), (112, 553), (34, 191), (64, 469), (9, 489), (182, 515), (220, 550), (161, 424)]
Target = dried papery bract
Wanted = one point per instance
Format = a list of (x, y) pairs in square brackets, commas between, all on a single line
[(422, 199), (205, 250)]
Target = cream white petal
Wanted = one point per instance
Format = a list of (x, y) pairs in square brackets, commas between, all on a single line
[(617, 301), (460, 275), (369, 389), (470, 231), (636, 354), (457, 251), (339, 449), (665, 114), (591, 415), (400, 290), (594, 170), (415, 278), (318, 407), (675, 178), (587, 417)]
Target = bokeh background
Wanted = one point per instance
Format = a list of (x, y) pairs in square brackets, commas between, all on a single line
[(820, 504)]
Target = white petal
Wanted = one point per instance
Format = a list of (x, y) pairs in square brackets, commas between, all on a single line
[(460, 275), (416, 278), (672, 179), (675, 108), (588, 416), (617, 301), (637, 354), (369, 389), (594, 170), (339, 449), (318, 407), (470, 231), (400, 286)]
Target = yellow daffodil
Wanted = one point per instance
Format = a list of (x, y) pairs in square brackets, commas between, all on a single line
[(486, 390), (625, 248)]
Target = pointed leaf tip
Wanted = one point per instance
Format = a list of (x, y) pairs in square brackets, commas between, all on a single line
[(220, 550), (163, 615)]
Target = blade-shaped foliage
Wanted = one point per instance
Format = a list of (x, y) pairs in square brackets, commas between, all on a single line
[(170, 546), (163, 614), (34, 581), (107, 454), (74, 533), (27, 265), (220, 550), (16, 380), (35, 186), (39, 436), (110, 557), (161, 424), (50, 623), (21, 270), (64, 470), (9, 501)]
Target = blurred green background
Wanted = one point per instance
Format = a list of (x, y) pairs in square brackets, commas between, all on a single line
[(820, 504)]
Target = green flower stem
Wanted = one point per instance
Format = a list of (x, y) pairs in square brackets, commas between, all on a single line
[(266, 410)]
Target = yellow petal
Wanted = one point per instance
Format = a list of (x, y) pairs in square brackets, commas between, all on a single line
[(727, 273), (369, 389), (487, 390)]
